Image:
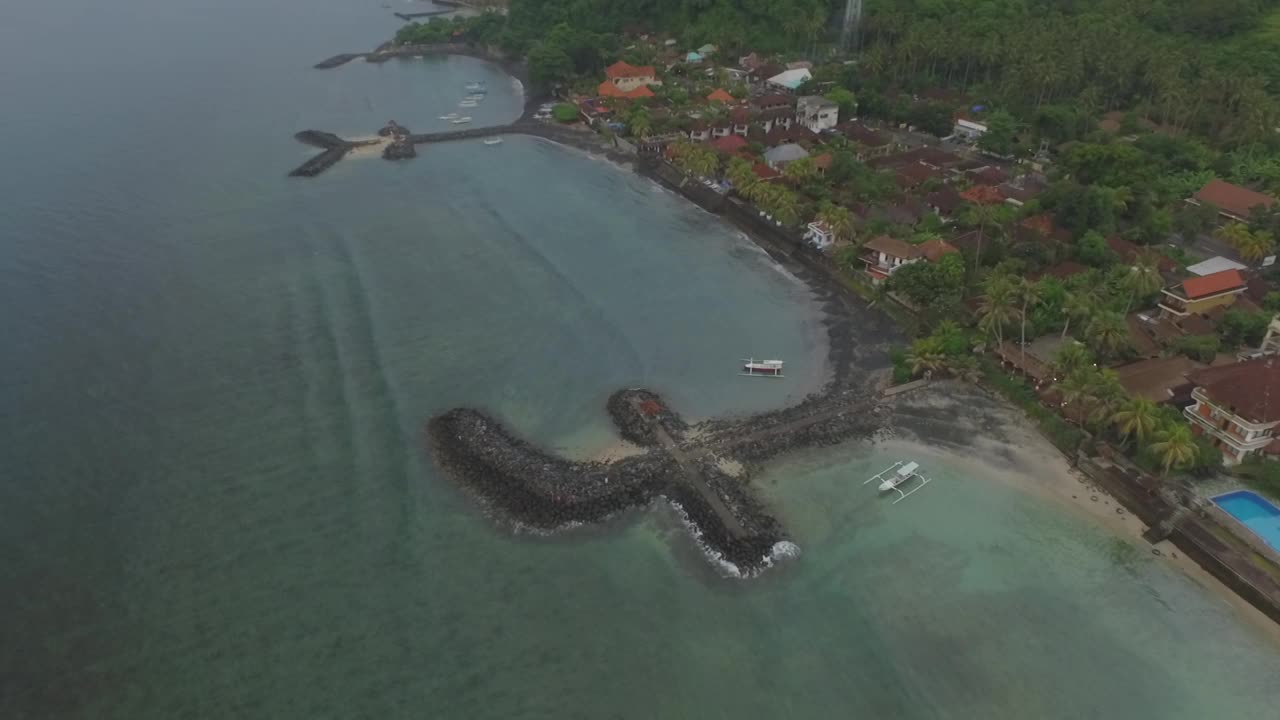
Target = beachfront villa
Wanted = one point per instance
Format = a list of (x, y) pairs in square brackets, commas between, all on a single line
[(626, 77), (1238, 407), (1199, 294)]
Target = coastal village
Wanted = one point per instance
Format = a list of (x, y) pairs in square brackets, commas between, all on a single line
[(1115, 286), (950, 230)]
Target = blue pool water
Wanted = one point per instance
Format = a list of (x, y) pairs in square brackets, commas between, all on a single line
[(1255, 512)]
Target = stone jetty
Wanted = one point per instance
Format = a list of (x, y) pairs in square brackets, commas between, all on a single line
[(528, 487), (334, 149)]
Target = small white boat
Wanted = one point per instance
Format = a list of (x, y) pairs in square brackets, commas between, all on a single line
[(461, 120), (761, 368), (475, 86), (468, 103), (493, 141), (896, 475), (450, 116)]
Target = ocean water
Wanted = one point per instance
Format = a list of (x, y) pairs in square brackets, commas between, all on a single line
[(214, 496)]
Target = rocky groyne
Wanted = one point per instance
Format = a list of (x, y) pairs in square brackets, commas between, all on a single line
[(535, 489)]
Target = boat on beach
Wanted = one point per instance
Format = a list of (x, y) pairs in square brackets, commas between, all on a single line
[(761, 368), (894, 477), (462, 120)]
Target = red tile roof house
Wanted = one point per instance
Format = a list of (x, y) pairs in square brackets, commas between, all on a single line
[(729, 144), (627, 77), (1238, 407), (914, 175), (720, 96), (883, 255), (1041, 228), (608, 89), (1231, 201), (945, 202), (867, 142), (1199, 294), (1129, 252)]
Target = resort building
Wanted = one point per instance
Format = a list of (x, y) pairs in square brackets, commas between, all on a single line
[(1199, 294), (1231, 201), (817, 113), (1238, 407), (627, 77)]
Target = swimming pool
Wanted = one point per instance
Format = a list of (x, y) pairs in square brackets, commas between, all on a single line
[(1254, 512)]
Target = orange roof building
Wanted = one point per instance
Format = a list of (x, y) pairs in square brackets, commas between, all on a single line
[(720, 96), (629, 77), (1198, 294), (622, 69), (983, 195), (608, 89), (1231, 200)]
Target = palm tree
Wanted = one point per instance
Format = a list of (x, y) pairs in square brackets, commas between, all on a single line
[(1143, 278), (1071, 357), (1232, 234), (997, 308), (1176, 447), (981, 215), (839, 219), (800, 170), (1028, 293), (963, 367), (1078, 392), (1108, 334), (1078, 306), (784, 206), (1109, 394), (1137, 417), (1256, 245), (925, 357), (640, 124)]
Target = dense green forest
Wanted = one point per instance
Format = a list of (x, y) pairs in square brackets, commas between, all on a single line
[(1208, 67)]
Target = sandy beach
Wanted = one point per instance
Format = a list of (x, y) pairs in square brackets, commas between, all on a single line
[(961, 426), (367, 151)]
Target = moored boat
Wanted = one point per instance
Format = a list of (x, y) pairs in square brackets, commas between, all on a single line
[(762, 368), (493, 141), (462, 120)]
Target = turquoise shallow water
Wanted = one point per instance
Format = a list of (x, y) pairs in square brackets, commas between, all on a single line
[(216, 503)]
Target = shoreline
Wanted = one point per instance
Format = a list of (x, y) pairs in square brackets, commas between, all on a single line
[(972, 427)]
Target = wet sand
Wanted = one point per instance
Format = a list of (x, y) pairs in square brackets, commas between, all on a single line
[(960, 426)]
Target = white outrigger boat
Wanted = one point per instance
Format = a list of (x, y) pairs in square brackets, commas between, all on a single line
[(450, 116), (899, 474), (493, 141), (462, 120), (468, 103), (761, 368)]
